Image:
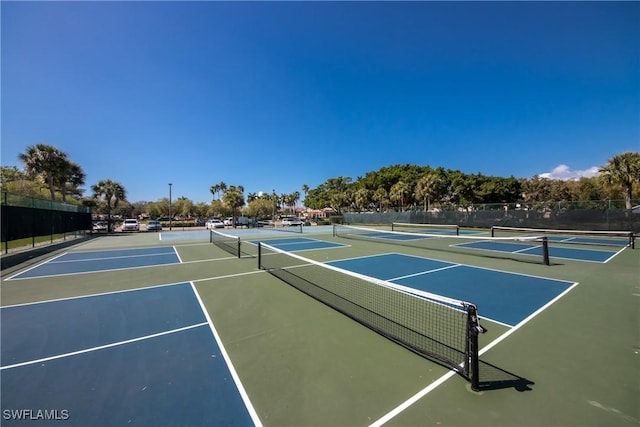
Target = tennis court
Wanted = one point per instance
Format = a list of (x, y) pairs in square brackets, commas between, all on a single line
[(131, 330)]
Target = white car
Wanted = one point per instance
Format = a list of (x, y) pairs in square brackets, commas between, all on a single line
[(214, 223), (130, 225), (228, 221), (291, 221), (100, 226)]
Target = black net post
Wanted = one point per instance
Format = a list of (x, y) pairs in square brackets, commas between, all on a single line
[(473, 349), (259, 256), (545, 251), (239, 251)]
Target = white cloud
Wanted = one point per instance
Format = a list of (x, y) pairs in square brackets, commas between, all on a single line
[(564, 173)]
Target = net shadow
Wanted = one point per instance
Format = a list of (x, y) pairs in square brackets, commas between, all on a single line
[(494, 378)]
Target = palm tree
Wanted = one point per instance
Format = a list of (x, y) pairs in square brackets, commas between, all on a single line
[(381, 196), (109, 191), (217, 188), (305, 190), (399, 191), (46, 162), (362, 198), (70, 178), (624, 170), (293, 200), (426, 187)]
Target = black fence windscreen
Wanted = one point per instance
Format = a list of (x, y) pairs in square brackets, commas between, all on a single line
[(20, 222)]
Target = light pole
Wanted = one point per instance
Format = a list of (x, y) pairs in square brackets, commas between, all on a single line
[(170, 216), (273, 218)]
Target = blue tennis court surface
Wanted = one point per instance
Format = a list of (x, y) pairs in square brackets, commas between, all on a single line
[(522, 248), (503, 297), (85, 262), (148, 355), (577, 254), (298, 244)]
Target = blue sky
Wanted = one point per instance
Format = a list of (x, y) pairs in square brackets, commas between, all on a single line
[(274, 95)]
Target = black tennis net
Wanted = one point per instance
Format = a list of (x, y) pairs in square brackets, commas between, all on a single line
[(446, 229), (297, 228), (226, 242), (532, 249), (577, 237), (438, 328)]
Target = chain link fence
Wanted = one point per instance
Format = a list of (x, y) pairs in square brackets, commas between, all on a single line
[(605, 215)]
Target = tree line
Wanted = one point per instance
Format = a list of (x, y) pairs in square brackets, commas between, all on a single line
[(49, 173), (402, 187)]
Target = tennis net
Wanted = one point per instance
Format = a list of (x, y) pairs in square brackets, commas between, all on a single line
[(438, 328), (578, 237), (226, 242), (426, 228), (533, 249), (279, 227)]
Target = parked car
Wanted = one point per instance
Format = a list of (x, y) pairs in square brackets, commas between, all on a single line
[(214, 223), (154, 225), (130, 225), (291, 221), (228, 221), (100, 226)]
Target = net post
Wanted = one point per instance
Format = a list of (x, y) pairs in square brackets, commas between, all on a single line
[(334, 231), (632, 240), (493, 232), (210, 236), (239, 251), (259, 255), (545, 251), (473, 349)]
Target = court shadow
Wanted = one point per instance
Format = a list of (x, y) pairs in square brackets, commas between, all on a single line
[(495, 378)]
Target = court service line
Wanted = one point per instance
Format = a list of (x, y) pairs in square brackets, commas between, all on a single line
[(130, 290), (102, 347), (227, 359), (424, 272)]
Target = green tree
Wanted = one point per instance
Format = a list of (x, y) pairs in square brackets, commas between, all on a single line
[(112, 193), (362, 198), (427, 187), (382, 197), (400, 192), (623, 170), (260, 208), (233, 198), (53, 167), (69, 179)]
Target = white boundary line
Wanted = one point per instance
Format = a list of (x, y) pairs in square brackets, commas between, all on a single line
[(35, 266), (101, 347), (132, 290), (107, 258), (227, 359), (12, 278)]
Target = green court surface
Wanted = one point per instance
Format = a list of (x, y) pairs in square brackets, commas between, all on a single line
[(573, 362)]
